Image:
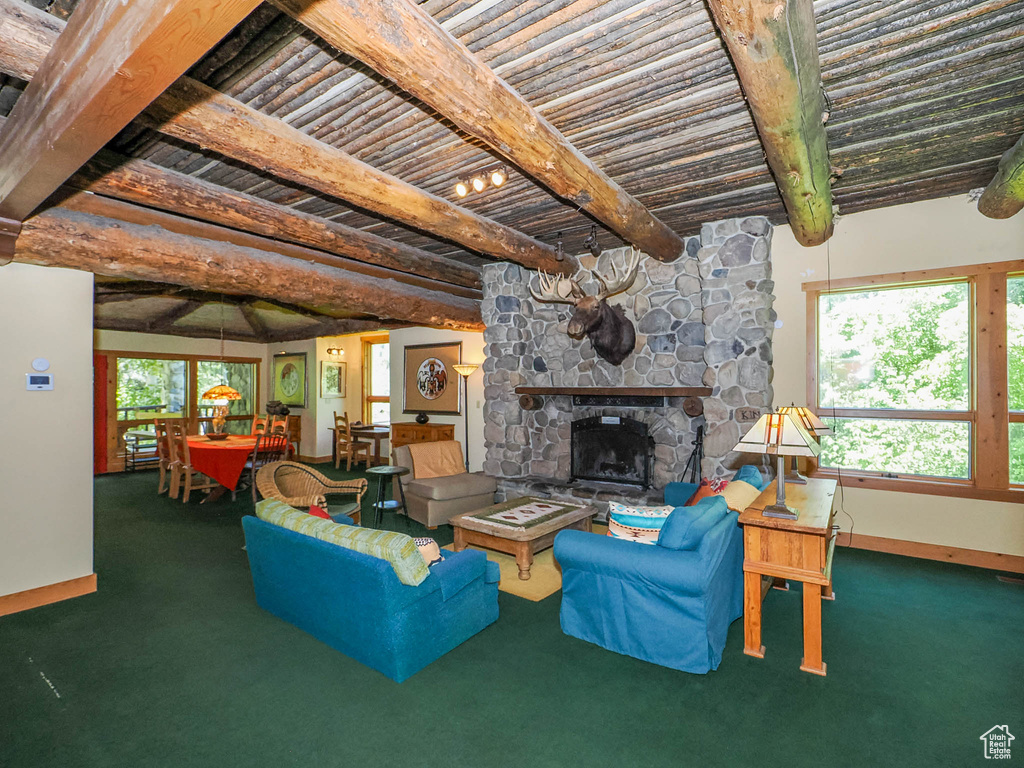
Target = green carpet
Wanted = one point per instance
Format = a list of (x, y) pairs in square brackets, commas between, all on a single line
[(172, 663)]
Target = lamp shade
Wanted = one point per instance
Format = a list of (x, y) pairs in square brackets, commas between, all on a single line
[(807, 418), (222, 392), (465, 369), (778, 434)]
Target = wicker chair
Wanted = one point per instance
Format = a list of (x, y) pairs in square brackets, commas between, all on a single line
[(300, 486)]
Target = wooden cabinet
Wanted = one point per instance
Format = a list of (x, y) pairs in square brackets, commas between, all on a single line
[(405, 432)]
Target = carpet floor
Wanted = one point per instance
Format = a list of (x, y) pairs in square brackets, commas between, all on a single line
[(171, 663)]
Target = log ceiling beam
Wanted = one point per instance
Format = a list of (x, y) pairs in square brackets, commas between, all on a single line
[(252, 317), (1004, 195), (319, 327), (135, 214), (164, 321), (192, 112), (404, 43), (76, 240), (775, 52), (197, 114), (112, 59), (140, 181)]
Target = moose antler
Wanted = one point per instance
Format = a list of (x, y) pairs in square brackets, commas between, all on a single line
[(618, 283), (551, 289)]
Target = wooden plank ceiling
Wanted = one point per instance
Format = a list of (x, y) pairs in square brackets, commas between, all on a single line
[(923, 97)]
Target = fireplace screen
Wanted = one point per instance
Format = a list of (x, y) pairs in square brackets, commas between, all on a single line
[(611, 449)]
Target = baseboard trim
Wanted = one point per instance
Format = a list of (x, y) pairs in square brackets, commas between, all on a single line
[(314, 459), (51, 593), (975, 557)]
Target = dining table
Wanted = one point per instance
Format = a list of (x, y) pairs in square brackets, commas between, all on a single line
[(376, 432), (223, 460)]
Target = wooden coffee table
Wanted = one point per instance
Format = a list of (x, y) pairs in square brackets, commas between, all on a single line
[(521, 527)]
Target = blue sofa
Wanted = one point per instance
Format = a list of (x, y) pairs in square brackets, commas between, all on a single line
[(671, 603), (355, 603)]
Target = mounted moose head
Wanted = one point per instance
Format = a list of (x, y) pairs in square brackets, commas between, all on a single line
[(612, 335)]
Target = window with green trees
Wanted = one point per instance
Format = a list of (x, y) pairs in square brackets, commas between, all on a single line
[(924, 379), (1015, 370)]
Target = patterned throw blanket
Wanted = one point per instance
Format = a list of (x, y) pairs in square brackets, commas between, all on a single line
[(439, 459), (525, 512)]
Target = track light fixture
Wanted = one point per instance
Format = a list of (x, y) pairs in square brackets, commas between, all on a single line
[(478, 182)]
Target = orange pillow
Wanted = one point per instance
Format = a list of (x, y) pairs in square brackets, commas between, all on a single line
[(316, 511), (707, 488)]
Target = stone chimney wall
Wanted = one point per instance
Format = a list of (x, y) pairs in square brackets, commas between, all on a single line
[(703, 320)]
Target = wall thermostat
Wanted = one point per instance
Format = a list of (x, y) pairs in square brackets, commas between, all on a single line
[(38, 381)]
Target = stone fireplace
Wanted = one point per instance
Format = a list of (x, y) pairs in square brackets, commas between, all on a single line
[(704, 322), (611, 449)]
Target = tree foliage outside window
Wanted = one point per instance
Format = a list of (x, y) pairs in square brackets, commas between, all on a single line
[(144, 383), (1015, 368), (898, 348), (906, 348)]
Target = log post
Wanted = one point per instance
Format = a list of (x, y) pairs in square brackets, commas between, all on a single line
[(531, 402), (76, 240), (1004, 195), (775, 51)]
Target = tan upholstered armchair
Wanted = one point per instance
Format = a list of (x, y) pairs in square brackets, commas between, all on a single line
[(432, 500), (300, 486)]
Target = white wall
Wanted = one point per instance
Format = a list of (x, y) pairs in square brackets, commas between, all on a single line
[(46, 513), (936, 233), (308, 415), (352, 402), (472, 352)]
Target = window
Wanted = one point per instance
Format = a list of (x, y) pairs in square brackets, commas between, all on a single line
[(155, 385), (1015, 366), (148, 387), (913, 379), (376, 380), (238, 376)]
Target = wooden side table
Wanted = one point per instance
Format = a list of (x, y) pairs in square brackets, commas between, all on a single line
[(800, 550)]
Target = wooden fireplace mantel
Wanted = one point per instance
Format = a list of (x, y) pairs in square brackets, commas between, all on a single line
[(618, 391)]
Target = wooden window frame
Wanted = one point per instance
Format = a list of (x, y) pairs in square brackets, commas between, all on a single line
[(116, 428), (989, 415), (368, 399)]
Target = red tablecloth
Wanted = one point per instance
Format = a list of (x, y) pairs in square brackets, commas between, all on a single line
[(223, 460)]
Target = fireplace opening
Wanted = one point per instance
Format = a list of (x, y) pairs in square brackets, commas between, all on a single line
[(611, 449)]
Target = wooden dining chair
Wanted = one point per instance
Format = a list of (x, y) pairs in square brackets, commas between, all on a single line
[(163, 452), (185, 475), (259, 425), (353, 450), (269, 448)]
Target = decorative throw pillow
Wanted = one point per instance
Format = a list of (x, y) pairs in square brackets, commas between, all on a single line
[(318, 512), (707, 488), (685, 529), (430, 551), (739, 495), (639, 524)]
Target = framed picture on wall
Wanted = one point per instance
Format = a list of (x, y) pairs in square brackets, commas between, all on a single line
[(332, 379), (290, 379), (431, 385)]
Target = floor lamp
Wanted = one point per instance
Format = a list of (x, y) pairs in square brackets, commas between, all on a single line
[(465, 370)]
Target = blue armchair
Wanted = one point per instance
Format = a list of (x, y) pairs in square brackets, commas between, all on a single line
[(671, 603)]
